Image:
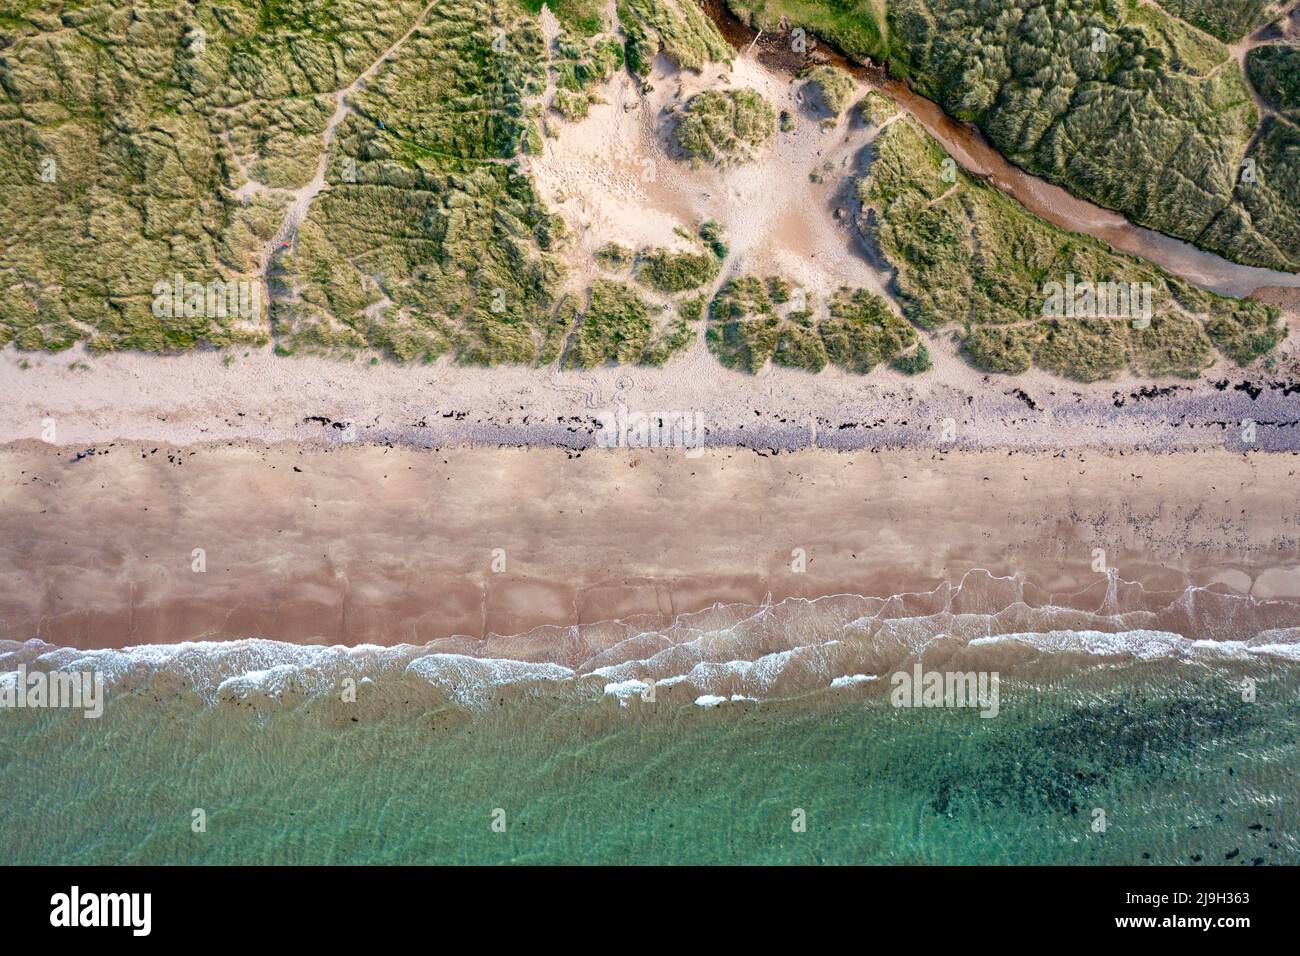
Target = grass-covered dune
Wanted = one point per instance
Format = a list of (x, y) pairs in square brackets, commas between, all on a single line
[(967, 256), (753, 321), (1121, 102), (725, 126), (1226, 19), (1274, 72), (153, 139), (154, 142), (123, 130)]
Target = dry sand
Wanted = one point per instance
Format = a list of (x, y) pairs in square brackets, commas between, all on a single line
[(390, 545)]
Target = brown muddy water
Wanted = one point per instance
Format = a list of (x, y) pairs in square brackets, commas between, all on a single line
[(967, 145)]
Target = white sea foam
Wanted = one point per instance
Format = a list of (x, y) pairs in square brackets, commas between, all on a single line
[(626, 690), (853, 680), (1140, 645), (727, 652), (713, 700)]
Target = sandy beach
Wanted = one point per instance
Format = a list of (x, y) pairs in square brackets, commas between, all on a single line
[(390, 544)]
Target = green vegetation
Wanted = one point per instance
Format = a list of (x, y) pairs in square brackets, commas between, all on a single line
[(153, 140), (746, 330), (692, 309), (617, 327), (428, 239), (855, 26), (725, 126), (743, 331), (124, 131), (570, 105), (915, 362), (1118, 102), (831, 89), (1225, 19), (861, 331), (711, 234), (1274, 71), (670, 272), (677, 28), (580, 65), (874, 108), (587, 17), (966, 254), (614, 257)]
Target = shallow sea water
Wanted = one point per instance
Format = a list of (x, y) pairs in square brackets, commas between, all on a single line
[(760, 721)]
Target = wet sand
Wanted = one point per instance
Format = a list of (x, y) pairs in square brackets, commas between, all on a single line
[(388, 545)]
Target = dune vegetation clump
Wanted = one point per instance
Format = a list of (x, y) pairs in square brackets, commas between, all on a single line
[(965, 254), (615, 257), (830, 88), (754, 321), (677, 28), (1226, 20), (617, 326), (1274, 72), (580, 65), (874, 109), (725, 126), (743, 327), (670, 272), (861, 331)]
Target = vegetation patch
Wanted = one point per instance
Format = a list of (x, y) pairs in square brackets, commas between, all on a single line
[(1118, 102), (1226, 20), (617, 327), (580, 65), (830, 89), (677, 28), (725, 126), (862, 332), (1274, 72), (855, 26), (875, 108), (614, 257), (748, 329), (671, 272), (966, 254)]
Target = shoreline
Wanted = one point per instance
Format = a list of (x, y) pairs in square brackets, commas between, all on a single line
[(389, 545)]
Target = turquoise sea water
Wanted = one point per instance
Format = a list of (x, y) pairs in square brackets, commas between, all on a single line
[(444, 758)]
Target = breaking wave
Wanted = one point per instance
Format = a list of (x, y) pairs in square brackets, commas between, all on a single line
[(721, 655)]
